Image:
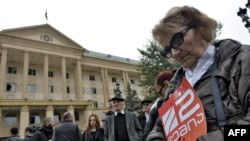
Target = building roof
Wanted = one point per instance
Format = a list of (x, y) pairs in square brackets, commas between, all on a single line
[(110, 57)]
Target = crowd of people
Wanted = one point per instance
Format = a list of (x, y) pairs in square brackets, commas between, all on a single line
[(217, 71), (117, 124)]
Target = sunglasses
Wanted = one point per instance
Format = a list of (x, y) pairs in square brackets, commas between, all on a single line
[(175, 42), (146, 104)]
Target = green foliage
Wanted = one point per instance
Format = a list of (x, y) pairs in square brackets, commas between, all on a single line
[(218, 31), (151, 63), (132, 101)]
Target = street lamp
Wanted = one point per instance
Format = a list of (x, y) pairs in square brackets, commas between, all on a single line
[(242, 13), (117, 91)]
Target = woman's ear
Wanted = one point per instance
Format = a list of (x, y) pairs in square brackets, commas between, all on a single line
[(166, 83)]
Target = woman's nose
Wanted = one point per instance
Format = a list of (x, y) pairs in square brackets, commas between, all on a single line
[(175, 51)]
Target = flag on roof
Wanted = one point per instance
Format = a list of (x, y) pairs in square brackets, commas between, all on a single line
[(46, 15)]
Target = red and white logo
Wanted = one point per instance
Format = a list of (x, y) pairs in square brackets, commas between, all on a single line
[(183, 116)]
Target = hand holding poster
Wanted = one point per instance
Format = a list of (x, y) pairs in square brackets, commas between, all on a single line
[(183, 116)]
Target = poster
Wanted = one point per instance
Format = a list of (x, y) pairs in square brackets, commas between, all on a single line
[(183, 116)]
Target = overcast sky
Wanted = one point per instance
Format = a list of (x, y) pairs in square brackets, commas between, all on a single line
[(116, 27)]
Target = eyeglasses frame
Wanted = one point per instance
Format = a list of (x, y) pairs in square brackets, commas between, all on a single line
[(166, 52)]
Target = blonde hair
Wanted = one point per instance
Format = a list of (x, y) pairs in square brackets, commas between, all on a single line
[(185, 16)]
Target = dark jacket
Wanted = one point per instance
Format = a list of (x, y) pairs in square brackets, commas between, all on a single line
[(43, 133), (142, 119), (233, 75), (28, 138), (67, 131), (153, 115), (99, 134), (14, 138)]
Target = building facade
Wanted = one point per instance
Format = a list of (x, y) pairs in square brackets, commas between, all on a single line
[(43, 73)]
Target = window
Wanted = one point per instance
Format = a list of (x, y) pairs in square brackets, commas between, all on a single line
[(95, 104), (10, 119), (132, 81), (57, 116), (11, 87), (134, 92), (51, 89), (91, 77), (32, 72), (68, 89), (12, 70), (67, 75), (113, 79), (50, 74), (31, 88), (77, 117), (93, 90), (34, 118)]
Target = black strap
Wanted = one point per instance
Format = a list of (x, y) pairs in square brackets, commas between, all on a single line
[(221, 119)]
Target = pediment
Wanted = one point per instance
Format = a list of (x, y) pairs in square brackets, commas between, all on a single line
[(42, 33)]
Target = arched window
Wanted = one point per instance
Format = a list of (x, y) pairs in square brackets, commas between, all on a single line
[(57, 116), (35, 118), (76, 113), (10, 119)]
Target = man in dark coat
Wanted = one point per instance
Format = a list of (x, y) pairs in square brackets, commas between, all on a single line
[(67, 130), (122, 125), (14, 135), (144, 116), (28, 133), (44, 133)]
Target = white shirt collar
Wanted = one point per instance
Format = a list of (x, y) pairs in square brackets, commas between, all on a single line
[(203, 64), (147, 116), (122, 112)]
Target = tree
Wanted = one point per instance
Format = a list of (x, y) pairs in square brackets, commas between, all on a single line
[(132, 101), (218, 32), (151, 63)]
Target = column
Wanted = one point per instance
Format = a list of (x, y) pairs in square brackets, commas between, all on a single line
[(25, 74), (1, 117), (3, 71), (50, 111), (70, 109), (125, 79), (64, 84), (79, 95), (107, 82), (105, 92), (24, 119), (145, 88), (45, 75)]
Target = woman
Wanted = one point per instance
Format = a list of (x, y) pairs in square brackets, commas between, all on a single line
[(187, 35), (161, 85), (94, 132)]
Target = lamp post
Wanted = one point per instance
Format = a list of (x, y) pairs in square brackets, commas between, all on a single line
[(242, 13), (117, 91)]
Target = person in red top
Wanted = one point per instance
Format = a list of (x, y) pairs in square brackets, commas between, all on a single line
[(161, 85)]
